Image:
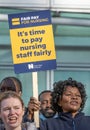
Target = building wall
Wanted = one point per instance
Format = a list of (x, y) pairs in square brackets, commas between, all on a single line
[(72, 44)]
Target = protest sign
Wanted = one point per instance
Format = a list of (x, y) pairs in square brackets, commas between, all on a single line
[(32, 41)]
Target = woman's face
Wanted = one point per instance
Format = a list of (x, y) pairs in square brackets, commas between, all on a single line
[(70, 100), (12, 112)]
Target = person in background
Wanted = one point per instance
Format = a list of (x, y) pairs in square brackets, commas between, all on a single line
[(46, 110), (11, 84), (68, 99), (43, 105), (12, 111)]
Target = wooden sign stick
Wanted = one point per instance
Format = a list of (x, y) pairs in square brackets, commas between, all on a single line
[(35, 94)]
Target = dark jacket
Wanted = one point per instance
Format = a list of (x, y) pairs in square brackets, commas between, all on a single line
[(66, 122)]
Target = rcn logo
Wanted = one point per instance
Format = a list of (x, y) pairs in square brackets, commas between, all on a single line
[(15, 21), (30, 66)]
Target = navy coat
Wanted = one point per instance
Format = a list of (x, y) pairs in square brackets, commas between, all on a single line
[(66, 122)]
